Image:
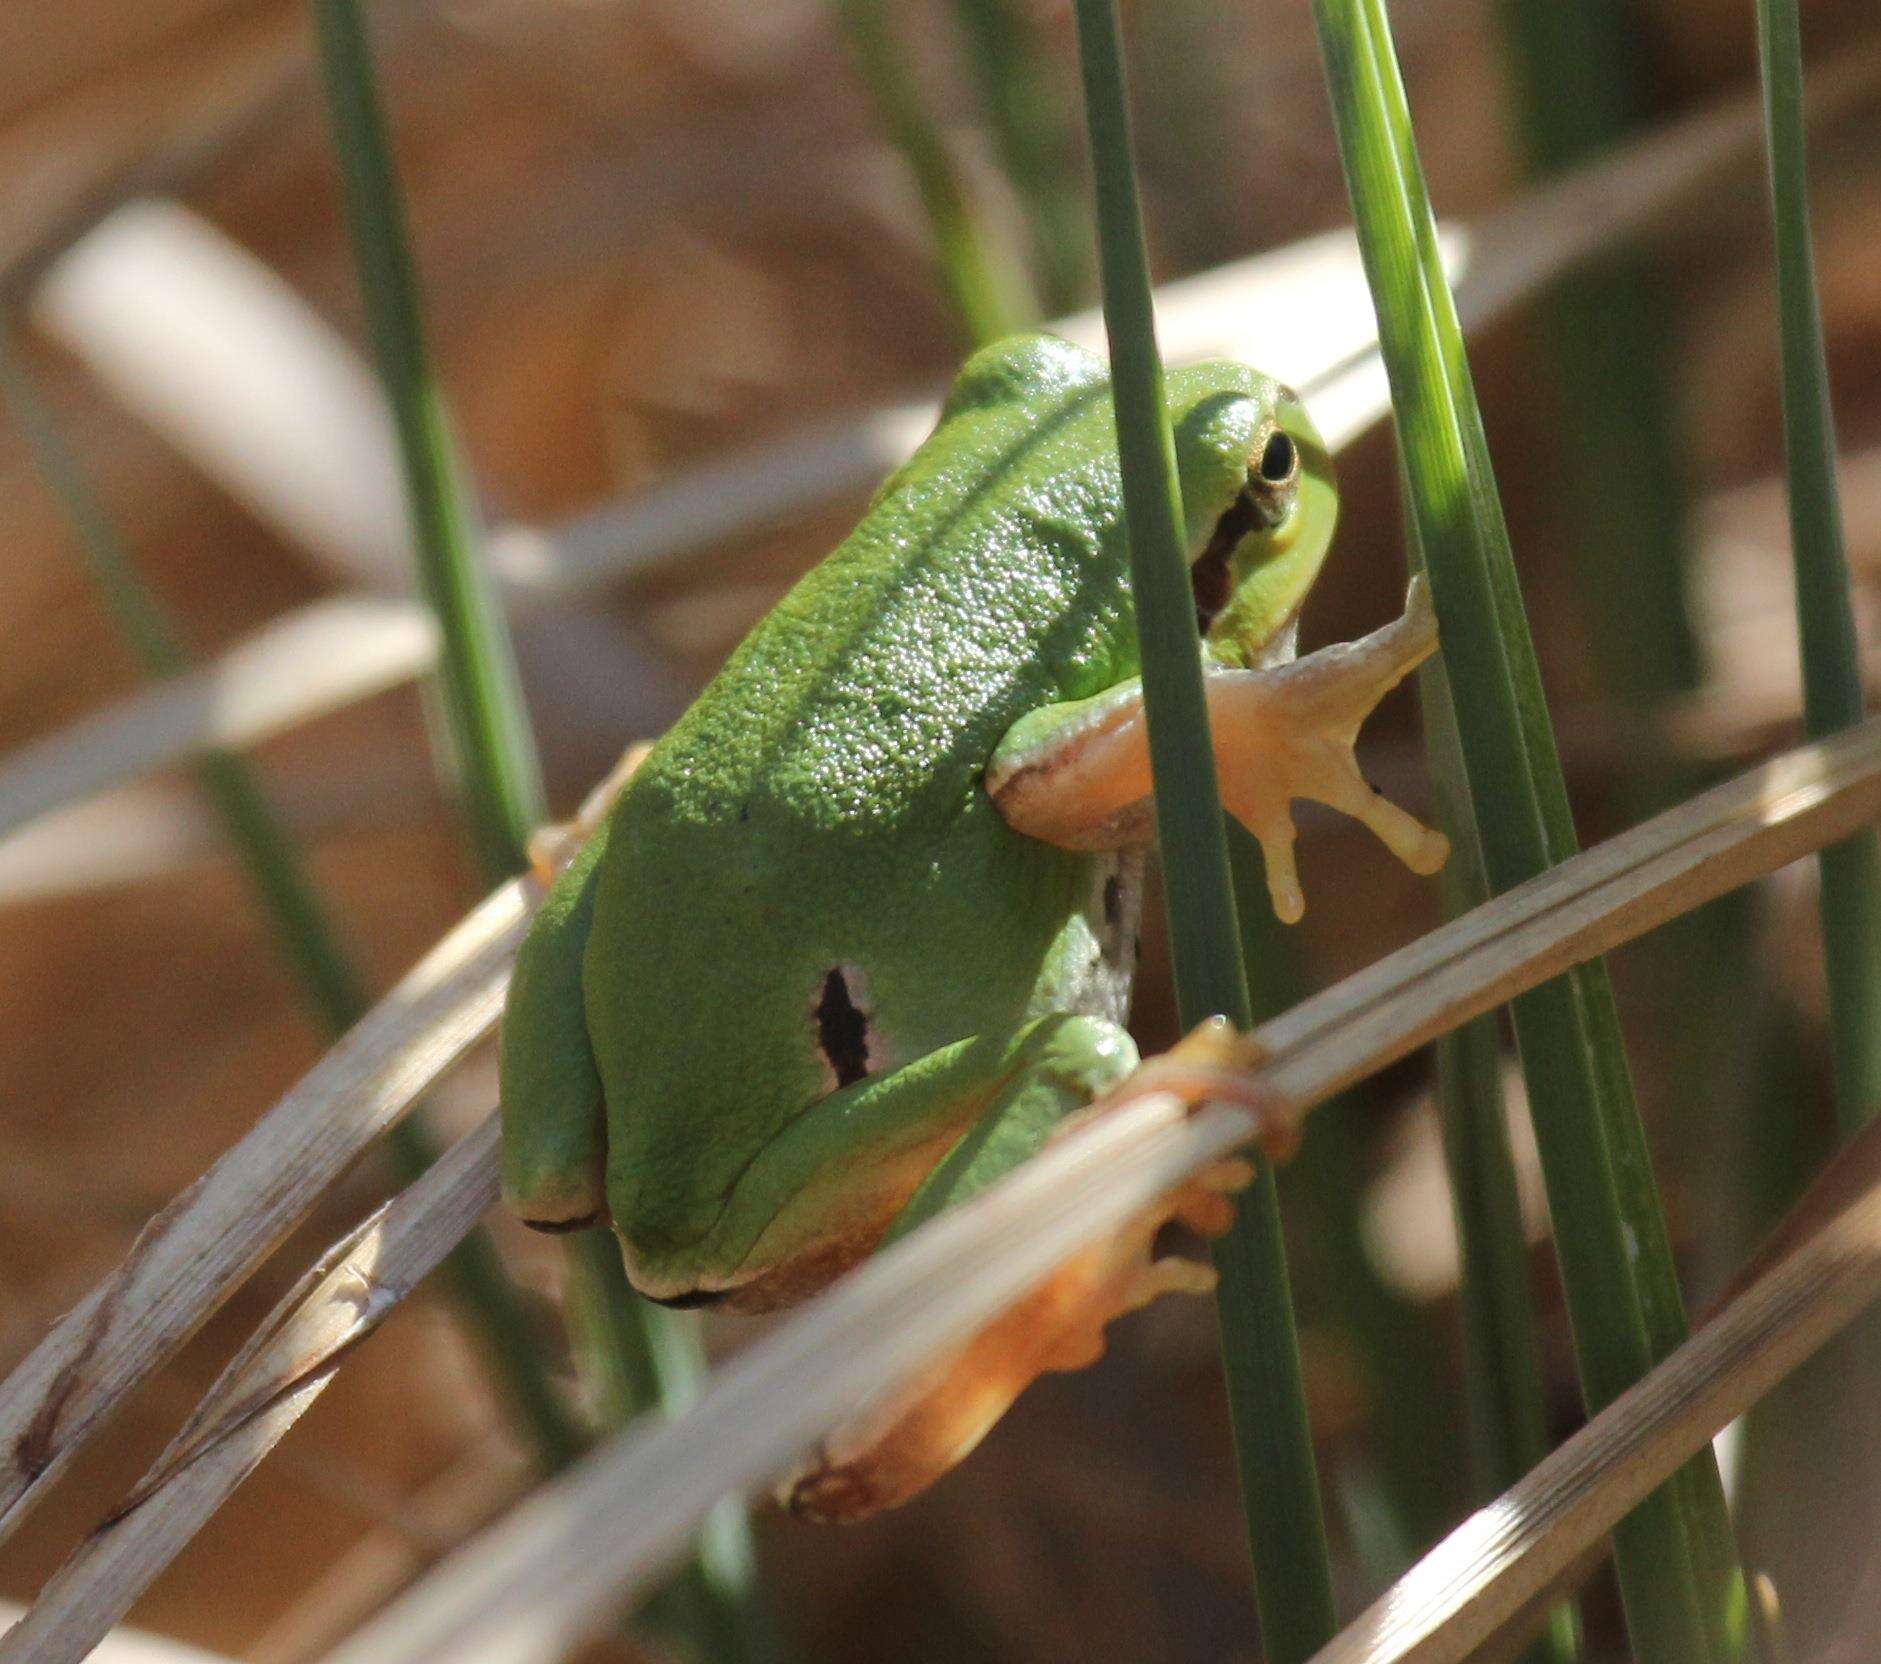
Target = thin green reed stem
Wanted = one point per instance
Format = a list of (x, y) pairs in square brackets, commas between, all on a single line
[(1832, 688), (1280, 1488), (1683, 1594), (303, 928), (1508, 1406), (1031, 130), (969, 272), (495, 749), (1402, 1360)]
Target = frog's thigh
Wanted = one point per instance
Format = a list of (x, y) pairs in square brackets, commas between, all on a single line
[(1079, 775), (900, 1145), (554, 1125), (896, 1450)]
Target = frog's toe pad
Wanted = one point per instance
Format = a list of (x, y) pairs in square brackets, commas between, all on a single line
[(894, 1452)]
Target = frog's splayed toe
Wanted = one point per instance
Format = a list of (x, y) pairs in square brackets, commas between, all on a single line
[(1080, 775), (894, 1452)]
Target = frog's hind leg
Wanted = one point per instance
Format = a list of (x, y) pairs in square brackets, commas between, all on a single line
[(1079, 775), (554, 1121), (896, 1450)]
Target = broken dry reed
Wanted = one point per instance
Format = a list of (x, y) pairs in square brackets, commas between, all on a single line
[(264, 1390), (192, 1254), (529, 1587), (739, 1433)]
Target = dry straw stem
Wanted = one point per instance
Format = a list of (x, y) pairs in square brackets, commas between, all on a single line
[(263, 1392), (1490, 1570), (1260, 310), (317, 659), (784, 1392), (188, 1258)]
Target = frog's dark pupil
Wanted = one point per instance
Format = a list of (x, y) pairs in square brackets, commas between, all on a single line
[(1277, 460), (842, 1030)]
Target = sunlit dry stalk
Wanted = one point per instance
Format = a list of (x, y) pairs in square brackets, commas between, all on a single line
[(784, 1391), (188, 1258)]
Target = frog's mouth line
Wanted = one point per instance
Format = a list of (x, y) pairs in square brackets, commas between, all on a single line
[(1211, 573)]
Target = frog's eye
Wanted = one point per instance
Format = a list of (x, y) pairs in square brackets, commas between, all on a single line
[(842, 1027), (1263, 504)]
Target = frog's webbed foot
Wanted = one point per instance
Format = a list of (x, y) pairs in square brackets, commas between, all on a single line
[(893, 1452), (1080, 775)]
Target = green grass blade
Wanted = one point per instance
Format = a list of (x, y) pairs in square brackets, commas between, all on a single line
[(970, 274), (304, 930), (1508, 1406), (489, 727), (1030, 125), (495, 752), (1273, 1442), (1683, 1595), (1404, 1370), (707, 1602), (1832, 689)]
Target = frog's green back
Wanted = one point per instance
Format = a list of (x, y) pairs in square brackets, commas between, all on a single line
[(820, 808)]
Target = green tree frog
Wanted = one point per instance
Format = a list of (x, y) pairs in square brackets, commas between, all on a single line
[(858, 933)]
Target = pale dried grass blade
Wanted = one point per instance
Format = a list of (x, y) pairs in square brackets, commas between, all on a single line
[(543, 1576), (1297, 312), (1302, 313), (539, 1579), (261, 1394), (191, 1254), (318, 659), (1487, 1573), (214, 351), (134, 1646)]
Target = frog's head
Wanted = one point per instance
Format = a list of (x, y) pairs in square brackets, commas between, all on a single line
[(1258, 489)]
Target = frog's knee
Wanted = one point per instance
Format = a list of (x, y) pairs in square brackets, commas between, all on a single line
[(1087, 1055), (552, 1114)]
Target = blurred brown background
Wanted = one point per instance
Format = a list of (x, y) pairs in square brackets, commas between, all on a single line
[(653, 232)]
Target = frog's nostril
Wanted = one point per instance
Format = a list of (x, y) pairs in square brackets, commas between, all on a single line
[(842, 1030)]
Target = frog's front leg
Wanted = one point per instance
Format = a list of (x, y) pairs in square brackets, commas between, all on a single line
[(1079, 774), (898, 1448)]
